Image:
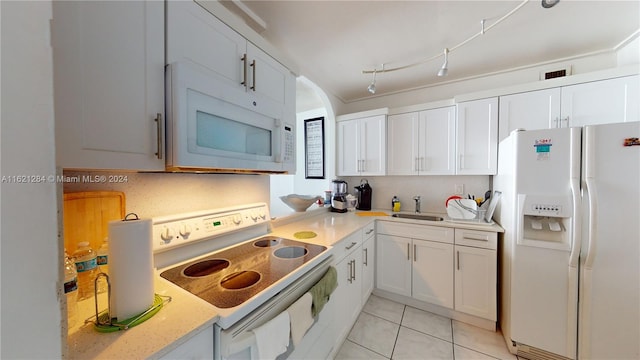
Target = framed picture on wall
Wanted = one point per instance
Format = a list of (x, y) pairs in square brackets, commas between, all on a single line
[(314, 148)]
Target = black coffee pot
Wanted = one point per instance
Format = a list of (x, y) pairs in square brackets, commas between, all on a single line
[(364, 195)]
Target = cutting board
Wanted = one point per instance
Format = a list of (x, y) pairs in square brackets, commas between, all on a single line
[(87, 215)]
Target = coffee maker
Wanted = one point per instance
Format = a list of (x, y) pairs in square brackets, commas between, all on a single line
[(339, 201), (364, 195)]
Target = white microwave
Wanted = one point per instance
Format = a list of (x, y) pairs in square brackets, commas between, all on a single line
[(215, 126)]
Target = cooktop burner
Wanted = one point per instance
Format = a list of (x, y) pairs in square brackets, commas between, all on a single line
[(229, 277)]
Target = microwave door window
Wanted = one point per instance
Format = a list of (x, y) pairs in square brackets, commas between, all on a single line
[(222, 134)]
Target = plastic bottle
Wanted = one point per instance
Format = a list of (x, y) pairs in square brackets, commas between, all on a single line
[(71, 290), (103, 264), (395, 204), (87, 266)]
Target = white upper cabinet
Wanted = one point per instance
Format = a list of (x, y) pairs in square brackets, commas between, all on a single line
[(422, 143), (477, 137), (361, 146), (531, 110), (597, 102), (601, 102), (197, 36), (109, 84)]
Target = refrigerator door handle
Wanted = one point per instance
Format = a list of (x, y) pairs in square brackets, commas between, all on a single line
[(593, 225), (576, 226)]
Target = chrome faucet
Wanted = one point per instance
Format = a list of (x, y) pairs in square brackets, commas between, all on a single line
[(417, 199)]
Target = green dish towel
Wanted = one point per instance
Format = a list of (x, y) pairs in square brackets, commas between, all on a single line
[(321, 291)]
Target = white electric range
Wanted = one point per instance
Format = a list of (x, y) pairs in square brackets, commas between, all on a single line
[(227, 258)]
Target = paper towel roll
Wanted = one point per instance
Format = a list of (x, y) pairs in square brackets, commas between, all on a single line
[(130, 267)]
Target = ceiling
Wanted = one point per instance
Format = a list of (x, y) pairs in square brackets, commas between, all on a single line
[(332, 42)]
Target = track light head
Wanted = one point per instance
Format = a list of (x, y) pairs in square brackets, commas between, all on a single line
[(372, 86), (444, 69)]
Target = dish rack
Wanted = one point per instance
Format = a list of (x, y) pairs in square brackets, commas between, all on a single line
[(467, 210)]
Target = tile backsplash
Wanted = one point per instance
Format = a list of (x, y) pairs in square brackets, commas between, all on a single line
[(433, 190), (159, 194)]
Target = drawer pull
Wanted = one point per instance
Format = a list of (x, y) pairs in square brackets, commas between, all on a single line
[(475, 238), (369, 232), (350, 246)]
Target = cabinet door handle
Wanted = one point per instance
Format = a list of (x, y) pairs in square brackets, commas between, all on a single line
[(415, 257), (350, 246), (354, 269), (461, 161), (253, 65), (408, 252), (350, 272), (566, 120), (415, 165), (458, 259), (244, 71), (366, 257), (557, 122), (160, 137)]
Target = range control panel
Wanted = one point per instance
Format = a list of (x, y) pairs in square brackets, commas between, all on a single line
[(177, 230)]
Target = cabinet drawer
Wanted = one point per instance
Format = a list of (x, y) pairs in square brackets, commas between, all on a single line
[(369, 231), (479, 239), (347, 245), (422, 232)]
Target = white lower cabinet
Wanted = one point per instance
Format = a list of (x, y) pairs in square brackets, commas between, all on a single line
[(347, 296), (416, 261), (452, 268), (393, 264), (432, 276), (200, 346), (476, 273), (368, 261)]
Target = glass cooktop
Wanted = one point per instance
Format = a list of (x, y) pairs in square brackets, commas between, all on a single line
[(230, 277)]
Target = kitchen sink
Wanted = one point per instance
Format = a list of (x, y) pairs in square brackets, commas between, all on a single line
[(418, 217)]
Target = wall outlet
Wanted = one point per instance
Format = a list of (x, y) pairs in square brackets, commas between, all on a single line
[(458, 189)]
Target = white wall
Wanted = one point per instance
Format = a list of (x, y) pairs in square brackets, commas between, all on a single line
[(298, 183), (30, 267)]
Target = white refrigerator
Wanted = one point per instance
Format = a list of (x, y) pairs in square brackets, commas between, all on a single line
[(570, 253)]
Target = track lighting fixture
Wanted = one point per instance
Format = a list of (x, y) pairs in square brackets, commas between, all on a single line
[(445, 67), (372, 86), (443, 70)]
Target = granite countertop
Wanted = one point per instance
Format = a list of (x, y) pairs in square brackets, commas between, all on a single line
[(177, 321), (332, 227), (186, 315)]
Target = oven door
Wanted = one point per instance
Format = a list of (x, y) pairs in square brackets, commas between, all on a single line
[(238, 341), (213, 125)]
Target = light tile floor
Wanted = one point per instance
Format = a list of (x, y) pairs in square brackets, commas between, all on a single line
[(389, 330)]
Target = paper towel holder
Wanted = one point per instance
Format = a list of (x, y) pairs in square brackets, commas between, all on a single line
[(104, 322), (126, 217)]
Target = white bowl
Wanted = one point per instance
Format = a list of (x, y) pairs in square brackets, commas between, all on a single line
[(299, 203)]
